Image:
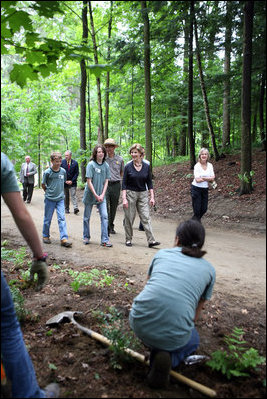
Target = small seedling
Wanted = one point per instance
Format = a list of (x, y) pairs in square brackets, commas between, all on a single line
[(95, 277)]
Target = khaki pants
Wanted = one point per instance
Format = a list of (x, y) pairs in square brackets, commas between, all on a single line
[(137, 201)]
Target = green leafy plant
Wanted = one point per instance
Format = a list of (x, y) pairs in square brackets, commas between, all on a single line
[(98, 278), (237, 358), (18, 300), (121, 339), (247, 178)]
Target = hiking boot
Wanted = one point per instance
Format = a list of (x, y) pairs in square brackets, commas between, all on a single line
[(65, 243), (159, 374), (52, 390), (76, 211), (106, 244), (46, 240)]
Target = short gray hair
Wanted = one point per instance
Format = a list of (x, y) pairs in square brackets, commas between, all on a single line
[(69, 151)]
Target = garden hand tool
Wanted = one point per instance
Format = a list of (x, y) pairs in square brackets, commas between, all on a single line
[(69, 316)]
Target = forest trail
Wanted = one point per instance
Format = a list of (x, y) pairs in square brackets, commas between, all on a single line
[(239, 259)]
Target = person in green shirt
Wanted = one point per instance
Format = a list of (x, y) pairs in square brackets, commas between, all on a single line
[(164, 314), (53, 186), (98, 175)]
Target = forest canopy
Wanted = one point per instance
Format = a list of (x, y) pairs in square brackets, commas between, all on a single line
[(167, 74)]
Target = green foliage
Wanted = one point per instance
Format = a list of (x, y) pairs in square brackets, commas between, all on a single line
[(14, 255), (18, 300), (97, 278), (236, 359), (247, 178), (114, 329)]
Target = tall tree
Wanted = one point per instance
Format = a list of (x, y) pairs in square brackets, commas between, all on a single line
[(83, 94), (226, 91), (246, 150), (261, 112), (190, 91), (99, 101), (147, 82), (108, 77), (203, 89)]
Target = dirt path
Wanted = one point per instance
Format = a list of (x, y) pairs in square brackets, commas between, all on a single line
[(239, 259)]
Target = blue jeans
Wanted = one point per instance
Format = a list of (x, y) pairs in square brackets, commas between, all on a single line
[(50, 206), (102, 207), (16, 360), (178, 355)]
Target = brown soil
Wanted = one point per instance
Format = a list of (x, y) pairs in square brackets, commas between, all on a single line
[(235, 243)]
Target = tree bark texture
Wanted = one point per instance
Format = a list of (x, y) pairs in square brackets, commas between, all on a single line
[(246, 150), (108, 77), (227, 68), (147, 83), (99, 102), (204, 93), (83, 95), (191, 141)]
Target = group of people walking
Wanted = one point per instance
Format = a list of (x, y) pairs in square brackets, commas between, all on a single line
[(106, 178), (179, 281)]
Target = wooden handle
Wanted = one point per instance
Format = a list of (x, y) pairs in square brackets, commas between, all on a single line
[(141, 358)]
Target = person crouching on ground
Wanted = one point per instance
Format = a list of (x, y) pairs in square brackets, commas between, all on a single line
[(164, 314), (98, 175), (53, 186), (136, 183)]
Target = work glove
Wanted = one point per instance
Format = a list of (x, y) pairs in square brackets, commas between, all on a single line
[(39, 267)]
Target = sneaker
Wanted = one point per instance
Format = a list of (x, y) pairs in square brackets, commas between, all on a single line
[(65, 243), (52, 390), (159, 374), (67, 211), (46, 240), (86, 241), (112, 231), (76, 211), (106, 244), (153, 244), (128, 243)]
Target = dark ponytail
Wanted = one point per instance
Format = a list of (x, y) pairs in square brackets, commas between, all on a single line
[(191, 235)]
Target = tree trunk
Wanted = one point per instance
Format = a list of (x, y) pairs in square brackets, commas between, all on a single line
[(261, 113), (83, 96), (204, 93), (99, 102), (89, 115), (226, 91), (182, 138), (246, 162), (107, 81), (191, 140), (147, 83), (132, 110)]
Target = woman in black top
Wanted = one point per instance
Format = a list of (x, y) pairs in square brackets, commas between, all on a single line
[(136, 183)]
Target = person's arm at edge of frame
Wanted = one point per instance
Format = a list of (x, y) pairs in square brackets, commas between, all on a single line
[(24, 222)]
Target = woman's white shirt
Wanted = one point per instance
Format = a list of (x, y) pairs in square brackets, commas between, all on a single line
[(200, 172)]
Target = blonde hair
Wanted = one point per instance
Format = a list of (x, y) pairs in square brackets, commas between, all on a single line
[(137, 147), (202, 150), (55, 154)]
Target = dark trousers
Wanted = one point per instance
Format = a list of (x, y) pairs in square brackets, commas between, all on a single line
[(112, 198), (199, 201), (27, 190)]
